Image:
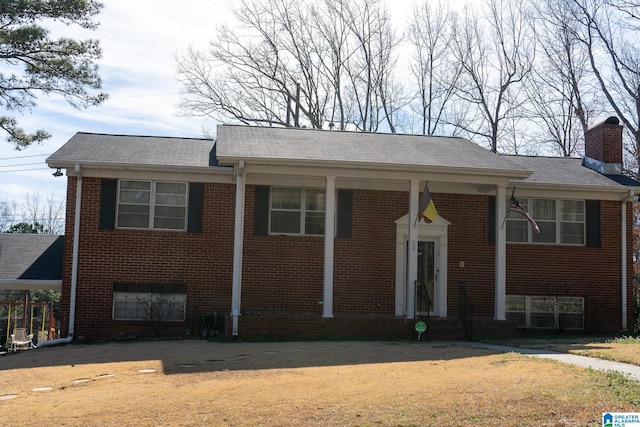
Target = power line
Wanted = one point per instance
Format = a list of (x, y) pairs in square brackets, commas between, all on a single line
[(27, 170), (23, 157), (20, 164)]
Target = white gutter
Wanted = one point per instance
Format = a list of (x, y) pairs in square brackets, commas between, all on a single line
[(238, 242), (623, 266), (74, 266)]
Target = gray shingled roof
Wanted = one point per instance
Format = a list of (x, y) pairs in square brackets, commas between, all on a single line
[(324, 146), (31, 256), (134, 150), (563, 171)]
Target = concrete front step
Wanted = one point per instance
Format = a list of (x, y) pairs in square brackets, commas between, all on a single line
[(444, 329)]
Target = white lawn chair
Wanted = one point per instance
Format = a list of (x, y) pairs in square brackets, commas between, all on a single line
[(20, 340)]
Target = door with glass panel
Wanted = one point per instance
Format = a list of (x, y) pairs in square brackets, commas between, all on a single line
[(426, 284)]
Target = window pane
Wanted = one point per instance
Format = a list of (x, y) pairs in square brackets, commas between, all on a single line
[(540, 320), (286, 198), (135, 185), (516, 230), (519, 318), (571, 305), (285, 222), (543, 209), (524, 204), (129, 305), (171, 187), (571, 321), (167, 217), (133, 216), (314, 223), (171, 193), (572, 233), (315, 200), (516, 303), (547, 232), (572, 210), (542, 304), (138, 192)]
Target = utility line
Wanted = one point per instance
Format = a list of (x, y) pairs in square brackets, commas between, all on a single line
[(27, 170), (23, 157), (20, 164)]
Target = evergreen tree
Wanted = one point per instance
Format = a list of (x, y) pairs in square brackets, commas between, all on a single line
[(32, 62)]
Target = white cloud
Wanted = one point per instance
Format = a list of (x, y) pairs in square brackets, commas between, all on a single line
[(139, 39)]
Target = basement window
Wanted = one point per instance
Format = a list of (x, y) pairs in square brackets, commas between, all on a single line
[(545, 312), (148, 302)]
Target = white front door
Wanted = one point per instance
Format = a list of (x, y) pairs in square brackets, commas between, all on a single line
[(432, 268)]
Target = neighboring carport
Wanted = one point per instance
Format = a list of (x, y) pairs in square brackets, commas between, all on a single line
[(29, 262)]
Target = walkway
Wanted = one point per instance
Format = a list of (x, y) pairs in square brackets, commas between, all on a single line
[(586, 362)]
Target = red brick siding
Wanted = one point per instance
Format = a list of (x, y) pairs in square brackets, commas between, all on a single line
[(202, 262), (283, 275)]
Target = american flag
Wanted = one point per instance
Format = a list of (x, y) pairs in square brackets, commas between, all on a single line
[(514, 206)]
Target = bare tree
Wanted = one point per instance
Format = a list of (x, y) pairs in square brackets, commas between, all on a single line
[(334, 58), (6, 215), (251, 72), (495, 59), (371, 90), (435, 73), (608, 29), (47, 217), (561, 87)]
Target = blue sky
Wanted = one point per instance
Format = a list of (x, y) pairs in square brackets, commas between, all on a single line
[(139, 39)]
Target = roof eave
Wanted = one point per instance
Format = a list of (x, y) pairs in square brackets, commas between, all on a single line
[(333, 164), (30, 284), (70, 166)]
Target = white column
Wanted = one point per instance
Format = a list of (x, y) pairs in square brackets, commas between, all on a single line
[(501, 254), (412, 250), (238, 242), (329, 234)]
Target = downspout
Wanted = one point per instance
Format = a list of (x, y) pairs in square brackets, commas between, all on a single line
[(623, 266), (74, 266), (238, 242)]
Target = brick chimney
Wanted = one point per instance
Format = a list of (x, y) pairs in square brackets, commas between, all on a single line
[(603, 147)]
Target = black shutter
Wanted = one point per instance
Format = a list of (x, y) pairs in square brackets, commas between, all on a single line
[(345, 209), (196, 198), (261, 211), (108, 192), (492, 221), (592, 212)]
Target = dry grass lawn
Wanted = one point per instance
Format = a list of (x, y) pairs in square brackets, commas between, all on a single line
[(201, 383)]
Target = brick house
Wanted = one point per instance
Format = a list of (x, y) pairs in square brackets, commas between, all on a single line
[(298, 232)]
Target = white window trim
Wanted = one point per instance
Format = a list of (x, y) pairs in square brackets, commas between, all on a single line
[(152, 206), (303, 211), (558, 222), (555, 300)]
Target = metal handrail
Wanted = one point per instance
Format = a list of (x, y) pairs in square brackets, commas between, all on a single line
[(465, 310)]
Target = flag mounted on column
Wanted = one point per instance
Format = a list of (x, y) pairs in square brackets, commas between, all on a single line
[(426, 208), (514, 206)]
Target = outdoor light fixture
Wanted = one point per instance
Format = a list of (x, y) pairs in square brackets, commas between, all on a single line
[(57, 173)]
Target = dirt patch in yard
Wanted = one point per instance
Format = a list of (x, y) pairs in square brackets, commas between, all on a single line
[(192, 383)]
